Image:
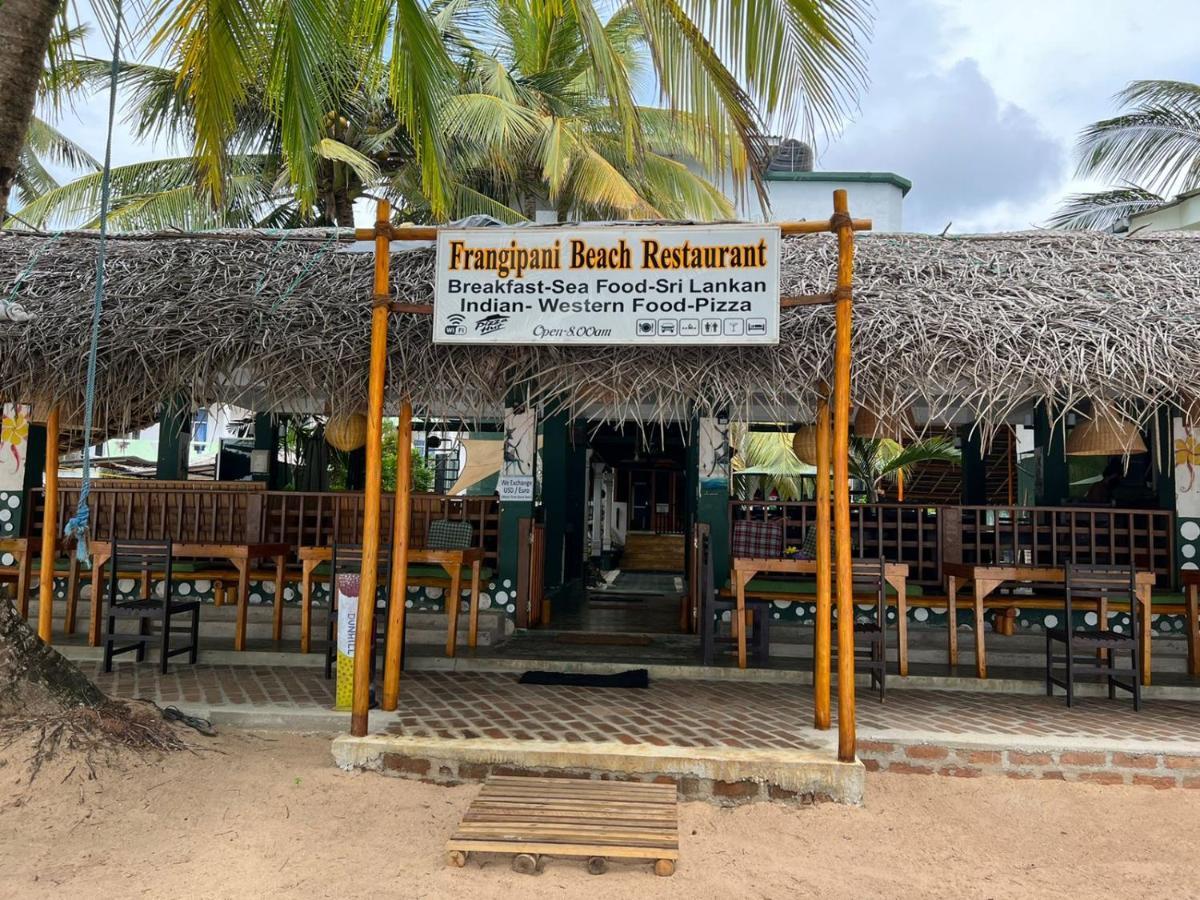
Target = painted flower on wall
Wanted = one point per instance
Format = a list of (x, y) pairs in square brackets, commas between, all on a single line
[(14, 432), (1187, 454)]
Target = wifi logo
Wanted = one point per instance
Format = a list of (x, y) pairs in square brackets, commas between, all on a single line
[(454, 324)]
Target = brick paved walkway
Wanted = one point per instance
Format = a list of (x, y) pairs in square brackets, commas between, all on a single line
[(681, 713)]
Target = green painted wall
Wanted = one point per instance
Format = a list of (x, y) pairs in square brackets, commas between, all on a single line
[(174, 434), (1050, 444)]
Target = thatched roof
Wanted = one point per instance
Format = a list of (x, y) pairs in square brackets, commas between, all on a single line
[(988, 323)]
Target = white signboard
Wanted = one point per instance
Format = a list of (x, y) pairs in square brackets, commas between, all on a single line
[(517, 488), (608, 284)]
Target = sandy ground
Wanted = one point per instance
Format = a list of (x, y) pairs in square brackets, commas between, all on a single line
[(267, 815)]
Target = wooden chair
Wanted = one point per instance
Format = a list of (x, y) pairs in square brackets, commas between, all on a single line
[(347, 560), (712, 604), (1095, 650), (870, 638), (152, 556)]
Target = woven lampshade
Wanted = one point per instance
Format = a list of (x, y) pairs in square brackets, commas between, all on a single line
[(804, 444), (1105, 434), (893, 425), (346, 431)]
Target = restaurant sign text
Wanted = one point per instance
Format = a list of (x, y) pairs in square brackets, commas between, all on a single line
[(608, 284)]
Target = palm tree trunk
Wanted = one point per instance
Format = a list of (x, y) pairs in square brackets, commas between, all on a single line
[(34, 678), (26, 26)]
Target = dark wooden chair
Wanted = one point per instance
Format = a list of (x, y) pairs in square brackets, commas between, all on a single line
[(154, 557), (712, 604), (1094, 651), (870, 638), (346, 559)]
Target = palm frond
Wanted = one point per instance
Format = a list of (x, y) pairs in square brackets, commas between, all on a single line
[(336, 151), (680, 193), (47, 142), (76, 203), (1153, 146), (597, 184), (796, 63), (214, 44), (420, 75), (1102, 210), (302, 57)]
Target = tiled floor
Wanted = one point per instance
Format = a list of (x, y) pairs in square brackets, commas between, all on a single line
[(680, 713)]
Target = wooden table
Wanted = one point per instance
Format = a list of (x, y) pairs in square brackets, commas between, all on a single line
[(1190, 579), (746, 568), (240, 556), (984, 579), (453, 561), (19, 548)]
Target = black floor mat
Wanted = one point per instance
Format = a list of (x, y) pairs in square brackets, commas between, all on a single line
[(634, 678)]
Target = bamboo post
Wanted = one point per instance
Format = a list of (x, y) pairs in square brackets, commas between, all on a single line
[(401, 525), (899, 485), (823, 636), (844, 227), (49, 530), (365, 626)]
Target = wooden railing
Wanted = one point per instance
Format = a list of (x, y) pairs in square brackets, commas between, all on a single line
[(243, 512), (320, 519), (1054, 536), (898, 532), (926, 536)]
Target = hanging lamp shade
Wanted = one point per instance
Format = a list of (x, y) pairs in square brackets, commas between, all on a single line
[(895, 426), (804, 444), (346, 431), (1105, 434)]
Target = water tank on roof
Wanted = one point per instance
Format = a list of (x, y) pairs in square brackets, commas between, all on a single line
[(791, 156)]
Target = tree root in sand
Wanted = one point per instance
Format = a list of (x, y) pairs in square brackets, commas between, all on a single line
[(83, 736)]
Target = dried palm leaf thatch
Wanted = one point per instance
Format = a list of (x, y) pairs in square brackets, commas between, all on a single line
[(987, 323)]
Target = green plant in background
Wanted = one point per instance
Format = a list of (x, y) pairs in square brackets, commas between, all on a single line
[(875, 462), (765, 461)]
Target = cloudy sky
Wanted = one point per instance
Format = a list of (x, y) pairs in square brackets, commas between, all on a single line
[(978, 102)]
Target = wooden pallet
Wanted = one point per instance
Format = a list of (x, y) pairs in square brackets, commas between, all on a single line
[(570, 817)]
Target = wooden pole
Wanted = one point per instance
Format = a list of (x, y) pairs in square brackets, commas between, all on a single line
[(841, 223), (49, 531), (401, 525), (365, 626), (899, 485), (822, 650)]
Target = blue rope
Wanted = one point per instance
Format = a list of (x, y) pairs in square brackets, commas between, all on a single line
[(77, 527)]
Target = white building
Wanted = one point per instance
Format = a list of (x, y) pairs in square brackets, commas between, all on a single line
[(1180, 214), (798, 193)]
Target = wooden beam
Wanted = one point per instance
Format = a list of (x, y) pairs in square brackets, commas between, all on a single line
[(49, 531), (365, 626), (806, 300), (822, 650), (841, 478), (819, 227), (401, 525), (429, 233)]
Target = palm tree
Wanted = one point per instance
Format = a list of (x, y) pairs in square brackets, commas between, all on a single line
[(876, 462), (729, 66), (1152, 149)]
